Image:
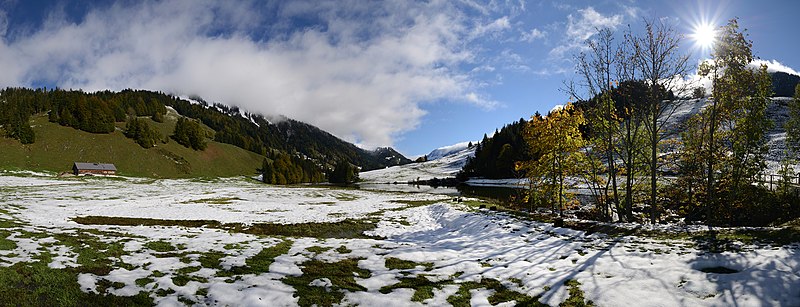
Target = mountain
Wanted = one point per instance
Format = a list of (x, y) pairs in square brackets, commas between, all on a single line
[(389, 155), (99, 112), (783, 84), (447, 165), (258, 134), (777, 111), (441, 152)]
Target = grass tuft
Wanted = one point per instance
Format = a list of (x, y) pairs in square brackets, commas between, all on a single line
[(575, 298), (341, 274), (260, 262), (400, 264)]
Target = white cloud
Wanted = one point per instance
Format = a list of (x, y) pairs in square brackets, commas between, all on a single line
[(533, 35), (496, 26), (360, 73), (774, 65), (581, 27), (481, 100), (685, 85)]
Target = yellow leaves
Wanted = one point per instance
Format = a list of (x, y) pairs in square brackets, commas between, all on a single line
[(556, 140)]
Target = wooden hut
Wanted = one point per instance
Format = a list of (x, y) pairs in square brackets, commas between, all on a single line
[(80, 168)]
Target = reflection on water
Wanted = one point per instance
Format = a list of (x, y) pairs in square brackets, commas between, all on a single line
[(501, 194), (409, 188)]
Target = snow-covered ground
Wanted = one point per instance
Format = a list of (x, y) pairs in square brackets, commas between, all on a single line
[(448, 161), (452, 244)]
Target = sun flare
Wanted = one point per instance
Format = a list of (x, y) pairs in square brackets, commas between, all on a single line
[(704, 35)]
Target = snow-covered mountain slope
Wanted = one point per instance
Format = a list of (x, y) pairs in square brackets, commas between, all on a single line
[(448, 161), (777, 111), (441, 152)]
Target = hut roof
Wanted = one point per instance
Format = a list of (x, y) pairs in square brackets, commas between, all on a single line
[(95, 166)]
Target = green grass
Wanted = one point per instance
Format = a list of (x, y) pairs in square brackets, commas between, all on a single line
[(141, 282), (501, 294), (160, 246), (94, 255), (575, 298), (415, 203), (400, 264), (422, 286), (341, 274), (57, 147), (34, 284), (318, 249), (345, 197), (215, 201), (346, 229), (260, 262), (5, 243), (343, 250), (211, 259)]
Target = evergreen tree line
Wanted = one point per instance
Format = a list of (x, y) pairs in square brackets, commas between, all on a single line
[(90, 112), (190, 133), (617, 142), (495, 157), (282, 168), (141, 132), (343, 173)]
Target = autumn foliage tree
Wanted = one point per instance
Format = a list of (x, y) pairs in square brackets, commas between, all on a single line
[(732, 143), (556, 141)]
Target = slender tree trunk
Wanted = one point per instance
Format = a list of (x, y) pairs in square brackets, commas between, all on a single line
[(561, 194), (627, 209), (710, 165), (552, 189), (613, 169), (653, 163)]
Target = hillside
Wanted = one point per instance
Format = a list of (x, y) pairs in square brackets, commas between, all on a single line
[(447, 163), (105, 113), (777, 111), (258, 134), (57, 147)]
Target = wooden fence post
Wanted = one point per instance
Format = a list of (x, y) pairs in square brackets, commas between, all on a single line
[(770, 182)]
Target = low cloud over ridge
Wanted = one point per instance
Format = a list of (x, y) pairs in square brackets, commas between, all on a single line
[(359, 70)]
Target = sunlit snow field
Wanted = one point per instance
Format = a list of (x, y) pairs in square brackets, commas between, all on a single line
[(232, 248)]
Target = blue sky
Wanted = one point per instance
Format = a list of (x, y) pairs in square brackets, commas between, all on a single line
[(413, 75)]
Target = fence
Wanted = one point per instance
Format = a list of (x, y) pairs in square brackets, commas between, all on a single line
[(775, 181)]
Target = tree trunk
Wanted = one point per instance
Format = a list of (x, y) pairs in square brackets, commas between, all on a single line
[(653, 163), (627, 209), (710, 166)]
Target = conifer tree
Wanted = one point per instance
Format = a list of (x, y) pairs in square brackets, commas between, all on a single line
[(793, 124)]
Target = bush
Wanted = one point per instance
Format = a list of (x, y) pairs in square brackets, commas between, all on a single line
[(142, 133), (189, 133)]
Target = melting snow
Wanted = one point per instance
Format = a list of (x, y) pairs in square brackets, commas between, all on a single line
[(462, 243)]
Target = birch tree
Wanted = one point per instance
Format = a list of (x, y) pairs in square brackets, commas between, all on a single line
[(557, 140), (662, 65)]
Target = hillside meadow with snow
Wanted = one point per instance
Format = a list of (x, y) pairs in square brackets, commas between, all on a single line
[(237, 242)]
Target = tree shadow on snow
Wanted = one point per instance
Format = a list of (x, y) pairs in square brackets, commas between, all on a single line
[(758, 274)]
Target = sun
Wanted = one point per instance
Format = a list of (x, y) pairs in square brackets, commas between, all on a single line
[(704, 35)]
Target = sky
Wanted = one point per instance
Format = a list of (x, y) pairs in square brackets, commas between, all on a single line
[(415, 75)]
